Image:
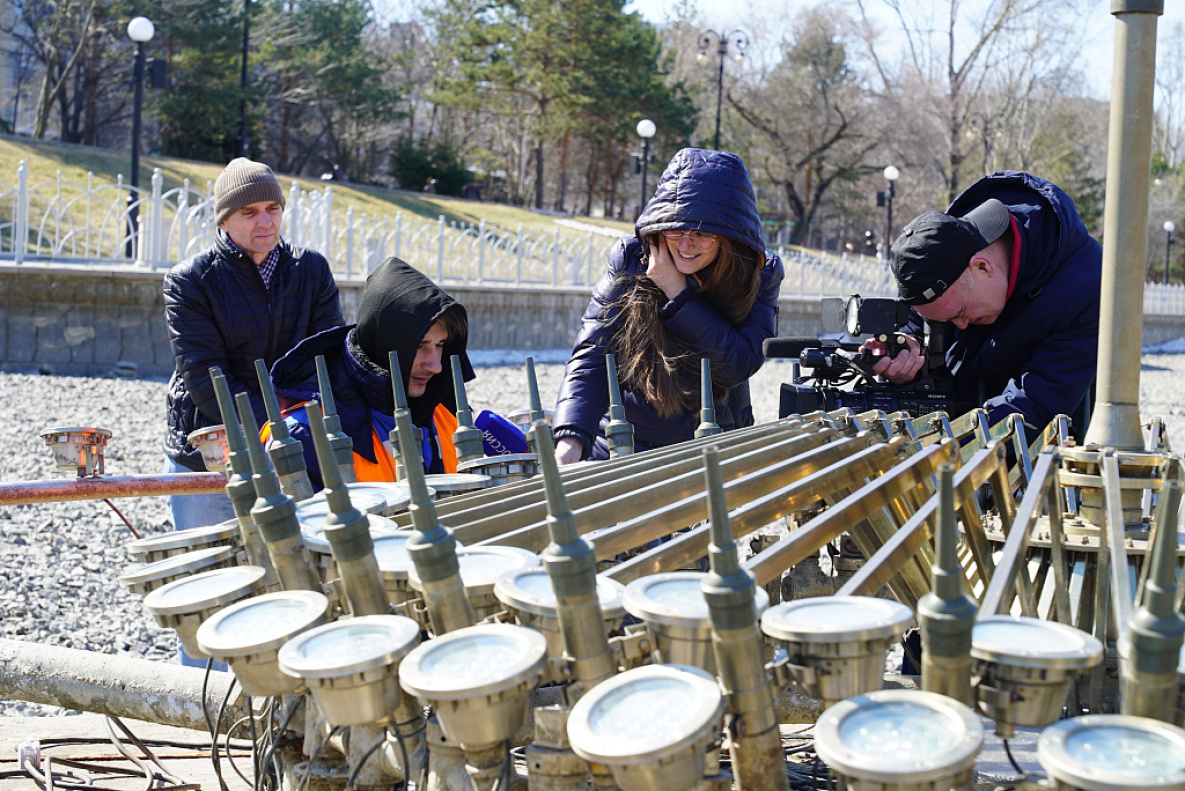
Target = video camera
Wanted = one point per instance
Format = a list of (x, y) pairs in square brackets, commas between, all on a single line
[(836, 373)]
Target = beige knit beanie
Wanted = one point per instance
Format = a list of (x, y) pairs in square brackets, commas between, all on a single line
[(242, 183)]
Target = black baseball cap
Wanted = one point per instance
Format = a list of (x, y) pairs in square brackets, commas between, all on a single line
[(934, 249)]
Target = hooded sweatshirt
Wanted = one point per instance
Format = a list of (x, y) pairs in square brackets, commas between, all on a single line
[(700, 190), (398, 307)]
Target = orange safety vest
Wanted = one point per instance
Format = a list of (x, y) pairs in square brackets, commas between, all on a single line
[(383, 468)]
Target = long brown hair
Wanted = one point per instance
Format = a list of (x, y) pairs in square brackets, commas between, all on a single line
[(654, 363)]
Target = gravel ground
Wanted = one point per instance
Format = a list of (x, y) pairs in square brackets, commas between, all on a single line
[(59, 562)]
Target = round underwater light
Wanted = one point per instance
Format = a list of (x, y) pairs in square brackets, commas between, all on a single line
[(481, 568), (78, 449), (314, 511), (1113, 752), (477, 680), (522, 418), (504, 469), (186, 603), (900, 739), (142, 580), (673, 607), (248, 636), (836, 645), (451, 484), (1024, 668), (317, 543), (352, 666), (154, 548), (650, 725), (211, 443), (528, 595), (395, 563)]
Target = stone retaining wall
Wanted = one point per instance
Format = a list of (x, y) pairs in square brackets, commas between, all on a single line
[(81, 321)]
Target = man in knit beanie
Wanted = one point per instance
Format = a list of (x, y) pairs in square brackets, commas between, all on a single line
[(250, 295)]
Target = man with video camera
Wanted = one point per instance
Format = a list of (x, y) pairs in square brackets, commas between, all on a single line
[(1011, 265)]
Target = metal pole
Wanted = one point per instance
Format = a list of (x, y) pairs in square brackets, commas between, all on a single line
[(244, 143), (889, 219), (723, 50), (1168, 245), (646, 161), (137, 104), (1116, 418)]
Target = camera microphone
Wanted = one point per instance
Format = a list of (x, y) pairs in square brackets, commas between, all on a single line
[(789, 347)]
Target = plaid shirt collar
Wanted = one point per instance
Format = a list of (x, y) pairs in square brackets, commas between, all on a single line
[(267, 269)]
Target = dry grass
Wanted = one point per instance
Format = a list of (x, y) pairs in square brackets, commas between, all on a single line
[(44, 159)]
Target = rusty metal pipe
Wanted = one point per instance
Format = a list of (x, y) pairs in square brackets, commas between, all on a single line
[(28, 492)]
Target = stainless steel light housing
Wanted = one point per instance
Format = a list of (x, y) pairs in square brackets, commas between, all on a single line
[(836, 645), (352, 666), (481, 568), (363, 496), (673, 607), (248, 636), (395, 564), (186, 603), (142, 580), (211, 443), (78, 449), (1023, 668), (477, 680), (528, 595), (900, 739), (650, 726), (178, 542), (1113, 752), (313, 532), (451, 484), (503, 469)]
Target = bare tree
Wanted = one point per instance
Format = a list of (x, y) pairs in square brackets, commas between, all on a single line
[(969, 71), (1168, 136), (59, 33)]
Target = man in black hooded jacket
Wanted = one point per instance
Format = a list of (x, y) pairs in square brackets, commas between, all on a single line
[(403, 311)]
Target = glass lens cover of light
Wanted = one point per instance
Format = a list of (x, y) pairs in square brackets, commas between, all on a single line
[(315, 511), (484, 565), (1135, 753), (536, 583), (1033, 641), (900, 732), (201, 588), (262, 621), (472, 660), (677, 597), (359, 643), (836, 618), (645, 709), (176, 564)]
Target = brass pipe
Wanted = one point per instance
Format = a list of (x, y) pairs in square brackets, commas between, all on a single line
[(622, 500), (784, 482), (769, 564), (1115, 421), (795, 496), (512, 499), (1007, 576), (110, 486)]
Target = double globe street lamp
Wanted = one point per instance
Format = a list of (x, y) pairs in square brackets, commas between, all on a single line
[(740, 41)]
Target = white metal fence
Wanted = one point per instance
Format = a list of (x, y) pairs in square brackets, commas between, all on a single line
[(67, 222)]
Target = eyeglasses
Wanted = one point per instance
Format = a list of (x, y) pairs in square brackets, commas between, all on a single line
[(698, 239)]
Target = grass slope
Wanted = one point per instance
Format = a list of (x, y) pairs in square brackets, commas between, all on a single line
[(45, 158)]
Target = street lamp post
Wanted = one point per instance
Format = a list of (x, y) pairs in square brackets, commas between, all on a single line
[(1169, 227), (646, 130), (891, 176), (739, 40), (140, 30), (244, 141)]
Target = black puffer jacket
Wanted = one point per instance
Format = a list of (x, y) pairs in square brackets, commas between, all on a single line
[(219, 312), (700, 190)]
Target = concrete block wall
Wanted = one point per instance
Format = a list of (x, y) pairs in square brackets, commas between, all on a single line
[(81, 320)]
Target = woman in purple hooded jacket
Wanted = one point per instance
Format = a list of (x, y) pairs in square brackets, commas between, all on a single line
[(695, 281)]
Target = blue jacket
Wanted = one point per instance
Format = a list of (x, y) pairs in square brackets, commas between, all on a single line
[(702, 190), (1039, 357)]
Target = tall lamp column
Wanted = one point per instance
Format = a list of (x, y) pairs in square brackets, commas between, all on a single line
[(140, 30), (891, 176), (646, 130), (1169, 227), (244, 141), (740, 41)]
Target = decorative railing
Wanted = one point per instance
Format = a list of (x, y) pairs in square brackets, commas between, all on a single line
[(63, 221)]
